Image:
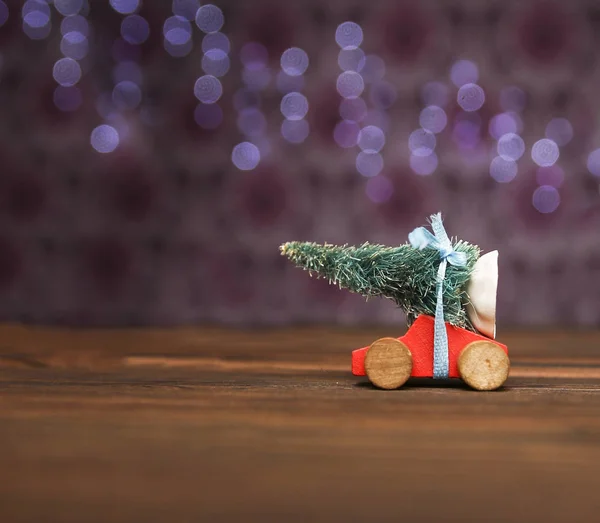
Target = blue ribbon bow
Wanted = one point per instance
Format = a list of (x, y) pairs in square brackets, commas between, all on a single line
[(421, 238)]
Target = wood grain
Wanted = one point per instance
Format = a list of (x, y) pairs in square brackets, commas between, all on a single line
[(199, 425), (388, 363), (483, 365)]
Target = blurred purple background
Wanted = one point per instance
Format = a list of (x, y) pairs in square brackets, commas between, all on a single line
[(155, 154)]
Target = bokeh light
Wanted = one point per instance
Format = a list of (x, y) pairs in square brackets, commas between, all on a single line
[(369, 164), (178, 51), (464, 72), (125, 7), (294, 106), (382, 95), (512, 99), (546, 199), (245, 156), (433, 119), (66, 72), (209, 18), (4, 13), (295, 131), (67, 99), (74, 45), (545, 152), (126, 95), (177, 30), (254, 56), (371, 139), (68, 7), (251, 122), (346, 133), (353, 109), (511, 147), (350, 84), (186, 8), (37, 33), (294, 61), (36, 13), (208, 89), (351, 59), (216, 41), (372, 68), (560, 131), (208, 116), (36, 19), (135, 29), (127, 70), (104, 139), (423, 165), (435, 93), (593, 162), (553, 176), (349, 35), (379, 189), (503, 170), (215, 62), (501, 124), (470, 97), (421, 142), (75, 23), (287, 84)]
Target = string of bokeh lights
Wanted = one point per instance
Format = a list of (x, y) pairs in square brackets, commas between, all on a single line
[(126, 93), (251, 122), (364, 123), (36, 19), (506, 127), (177, 32), (74, 47), (215, 64), (294, 105)]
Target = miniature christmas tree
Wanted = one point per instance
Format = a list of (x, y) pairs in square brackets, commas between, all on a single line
[(405, 274)]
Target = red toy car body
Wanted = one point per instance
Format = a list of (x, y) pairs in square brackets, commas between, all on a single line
[(419, 341)]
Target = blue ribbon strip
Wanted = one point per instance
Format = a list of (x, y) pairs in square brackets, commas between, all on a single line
[(421, 238)]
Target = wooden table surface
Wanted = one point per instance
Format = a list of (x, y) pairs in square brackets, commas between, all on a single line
[(211, 425)]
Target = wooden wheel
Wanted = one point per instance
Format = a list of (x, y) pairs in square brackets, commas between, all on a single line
[(388, 363), (483, 365)]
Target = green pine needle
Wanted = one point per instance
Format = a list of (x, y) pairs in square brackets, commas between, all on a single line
[(403, 274)]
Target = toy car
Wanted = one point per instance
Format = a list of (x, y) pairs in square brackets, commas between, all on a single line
[(480, 361), (415, 280)]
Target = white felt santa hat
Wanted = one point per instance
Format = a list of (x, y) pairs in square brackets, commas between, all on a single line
[(482, 290)]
